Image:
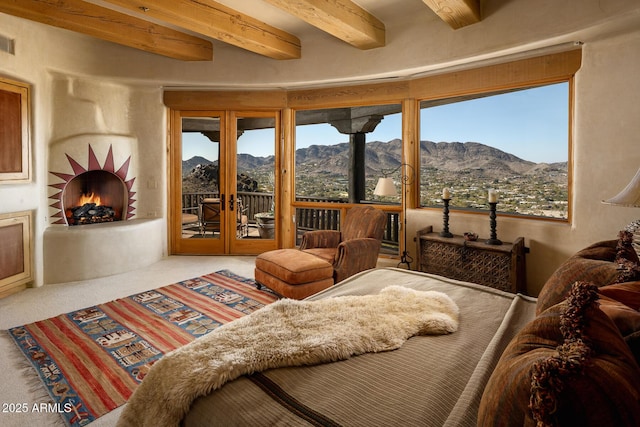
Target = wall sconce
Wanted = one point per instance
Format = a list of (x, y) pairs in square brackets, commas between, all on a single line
[(386, 187)]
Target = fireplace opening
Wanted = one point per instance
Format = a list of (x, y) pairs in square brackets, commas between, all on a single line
[(94, 197)]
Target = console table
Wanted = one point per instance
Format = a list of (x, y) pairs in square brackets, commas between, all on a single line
[(498, 266)]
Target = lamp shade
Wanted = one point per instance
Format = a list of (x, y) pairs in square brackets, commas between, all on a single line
[(385, 187), (630, 196)]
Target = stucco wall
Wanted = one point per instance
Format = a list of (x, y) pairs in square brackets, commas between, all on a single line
[(606, 130), (68, 102)]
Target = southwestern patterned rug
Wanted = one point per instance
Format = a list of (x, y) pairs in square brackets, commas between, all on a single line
[(91, 360)]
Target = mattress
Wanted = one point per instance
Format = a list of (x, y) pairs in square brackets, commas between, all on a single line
[(429, 381)]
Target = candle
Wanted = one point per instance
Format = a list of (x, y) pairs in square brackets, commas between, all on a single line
[(446, 194), (493, 196)]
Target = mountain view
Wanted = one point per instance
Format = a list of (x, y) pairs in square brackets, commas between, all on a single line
[(469, 169)]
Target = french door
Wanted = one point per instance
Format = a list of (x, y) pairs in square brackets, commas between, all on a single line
[(223, 182)]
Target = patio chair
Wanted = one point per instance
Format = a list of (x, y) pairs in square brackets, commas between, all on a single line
[(209, 216), (242, 220)]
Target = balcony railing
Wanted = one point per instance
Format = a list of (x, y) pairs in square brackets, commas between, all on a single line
[(307, 218)]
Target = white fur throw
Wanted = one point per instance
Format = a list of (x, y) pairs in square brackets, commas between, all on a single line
[(286, 333)]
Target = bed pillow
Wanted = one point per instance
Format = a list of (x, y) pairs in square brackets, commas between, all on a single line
[(626, 319), (593, 264), (627, 293), (569, 366), (621, 302), (625, 249), (627, 258), (603, 263), (634, 229)]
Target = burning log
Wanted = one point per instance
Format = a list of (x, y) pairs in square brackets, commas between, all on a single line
[(90, 213)]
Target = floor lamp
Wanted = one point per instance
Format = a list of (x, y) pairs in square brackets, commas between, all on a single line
[(386, 187)]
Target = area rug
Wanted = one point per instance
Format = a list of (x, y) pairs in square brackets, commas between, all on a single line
[(92, 360)]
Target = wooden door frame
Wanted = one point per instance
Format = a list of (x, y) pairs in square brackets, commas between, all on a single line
[(228, 244)]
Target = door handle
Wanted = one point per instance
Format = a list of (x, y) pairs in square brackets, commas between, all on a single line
[(231, 202), (222, 202)]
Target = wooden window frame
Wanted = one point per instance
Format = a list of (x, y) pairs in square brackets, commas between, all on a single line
[(495, 75), (570, 81)]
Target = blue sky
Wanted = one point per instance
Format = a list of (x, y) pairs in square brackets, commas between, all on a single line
[(532, 125)]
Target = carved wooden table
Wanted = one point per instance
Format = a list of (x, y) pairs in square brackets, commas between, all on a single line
[(498, 266)]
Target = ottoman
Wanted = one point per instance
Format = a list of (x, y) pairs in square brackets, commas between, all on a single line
[(292, 273)]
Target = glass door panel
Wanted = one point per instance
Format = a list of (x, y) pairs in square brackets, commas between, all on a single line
[(254, 224), (198, 182)]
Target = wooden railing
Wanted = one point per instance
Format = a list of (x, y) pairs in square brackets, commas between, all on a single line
[(307, 218), (253, 203)]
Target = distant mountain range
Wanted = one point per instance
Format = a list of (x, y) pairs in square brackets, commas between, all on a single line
[(327, 160), (457, 156)]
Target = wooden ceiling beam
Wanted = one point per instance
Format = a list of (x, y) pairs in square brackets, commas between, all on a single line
[(456, 13), (106, 24), (220, 22), (341, 18)]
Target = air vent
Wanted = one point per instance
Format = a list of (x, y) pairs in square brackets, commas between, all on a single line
[(7, 44)]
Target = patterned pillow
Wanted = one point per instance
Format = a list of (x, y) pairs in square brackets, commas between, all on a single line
[(627, 258), (634, 229), (625, 249), (569, 366)]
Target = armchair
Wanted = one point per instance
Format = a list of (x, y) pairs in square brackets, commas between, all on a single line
[(353, 249), (325, 256)]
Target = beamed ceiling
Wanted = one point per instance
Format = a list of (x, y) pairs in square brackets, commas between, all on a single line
[(185, 29)]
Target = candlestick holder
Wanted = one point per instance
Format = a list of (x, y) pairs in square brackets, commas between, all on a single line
[(493, 239), (445, 220)]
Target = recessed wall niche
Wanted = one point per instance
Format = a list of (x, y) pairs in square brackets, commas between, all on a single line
[(14, 132)]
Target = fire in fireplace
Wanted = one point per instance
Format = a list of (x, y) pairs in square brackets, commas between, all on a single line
[(94, 197), (90, 211)]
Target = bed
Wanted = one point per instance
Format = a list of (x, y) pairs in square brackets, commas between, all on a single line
[(429, 381), (569, 357)]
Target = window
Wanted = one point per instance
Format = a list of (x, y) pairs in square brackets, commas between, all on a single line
[(323, 182), (516, 142), (341, 152)]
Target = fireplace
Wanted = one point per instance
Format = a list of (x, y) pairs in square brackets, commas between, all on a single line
[(94, 197), (94, 149), (94, 193), (104, 166)]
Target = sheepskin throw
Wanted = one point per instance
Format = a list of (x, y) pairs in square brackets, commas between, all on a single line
[(286, 333)]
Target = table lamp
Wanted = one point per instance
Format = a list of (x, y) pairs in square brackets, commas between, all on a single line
[(630, 196)]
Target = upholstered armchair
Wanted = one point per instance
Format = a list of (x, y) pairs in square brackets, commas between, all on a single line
[(353, 249)]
